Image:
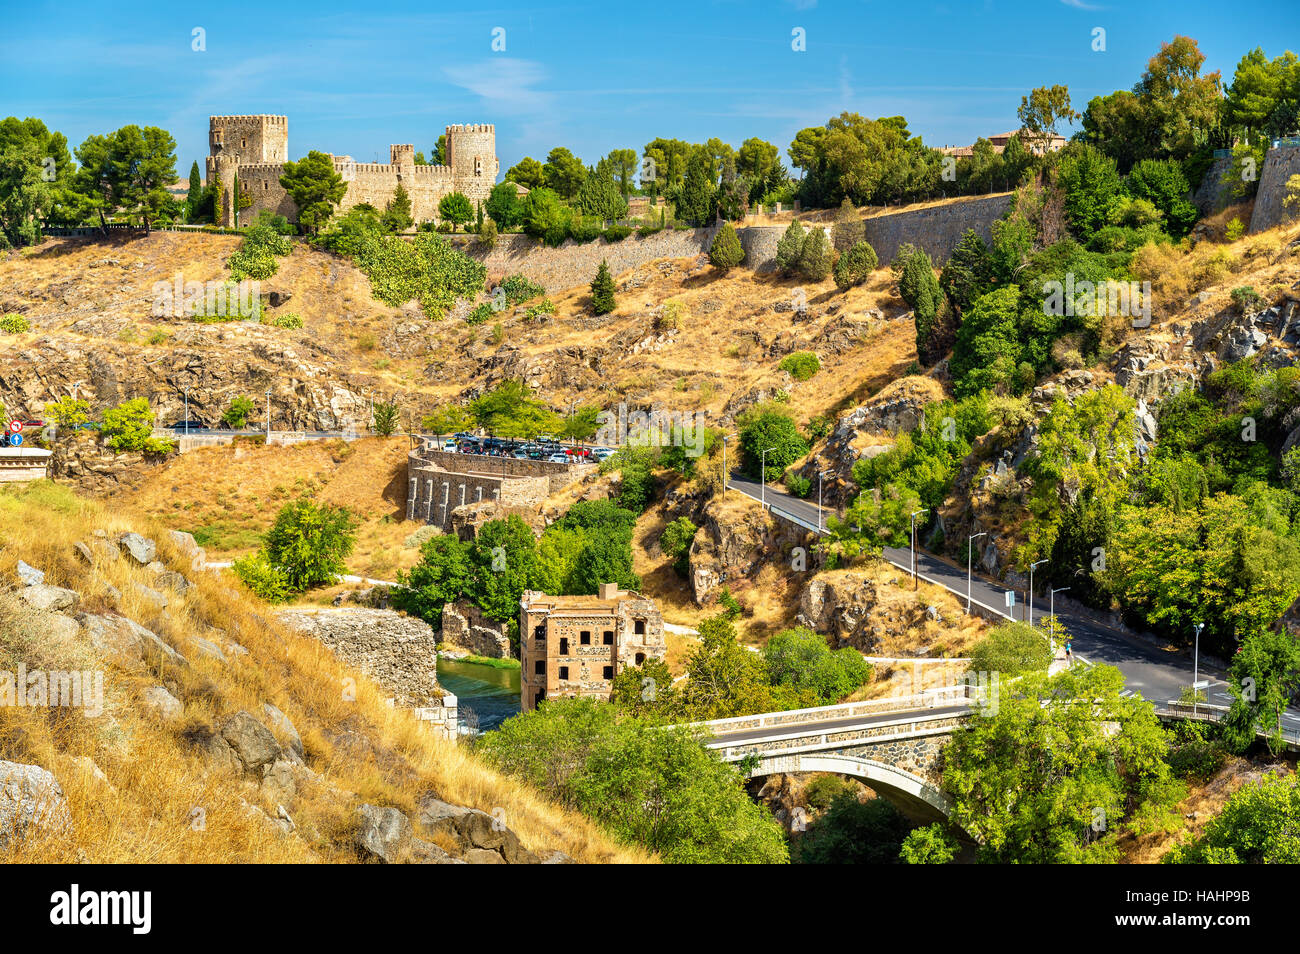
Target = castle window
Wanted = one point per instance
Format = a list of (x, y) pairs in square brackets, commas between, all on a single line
[(609, 637), (478, 166), (265, 185), (537, 699), (639, 627), (585, 637), (564, 645), (609, 672), (640, 658), (564, 672), (539, 631), (243, 144), (539, 667)]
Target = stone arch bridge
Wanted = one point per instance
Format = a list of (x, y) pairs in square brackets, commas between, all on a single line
[(891, 744)]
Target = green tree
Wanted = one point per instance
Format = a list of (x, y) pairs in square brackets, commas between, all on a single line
[(1042, 778), (1043, 110), (128, 170), (601, 198), (815, 257), (725, 253), (443, 575), (236, 415), (1256, 826), (1091, 184), (646, 784), (799, 660), (602, 290), (563, 172), (968, 273), (315, 188), (772, 429), (855, 265), (853, 832), (455, 207), (397, 214), (1265, 676), (544, 216), (1011, 649), (675, 542), (129, 427), (439, 156), (503, 206), (310, 542), (789, 248), (194, 199), (503, 554), (528, 172), (387, 418), (918, 286), (931, 845), (696, 201)]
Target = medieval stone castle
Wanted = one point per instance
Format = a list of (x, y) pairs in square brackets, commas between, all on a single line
[(254, 149)]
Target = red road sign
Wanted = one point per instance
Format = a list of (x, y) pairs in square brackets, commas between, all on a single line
[(15, 427)]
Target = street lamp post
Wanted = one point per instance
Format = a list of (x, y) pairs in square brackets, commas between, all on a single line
[(970, 553), (820, 475), (268, 417), (911, 519), (762, 477), (1196, 665), (187, 412), (1051, 608), (724, 466), (1030, 601)]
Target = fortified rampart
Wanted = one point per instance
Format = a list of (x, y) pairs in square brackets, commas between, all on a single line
[(1280, 164), (253, 149)]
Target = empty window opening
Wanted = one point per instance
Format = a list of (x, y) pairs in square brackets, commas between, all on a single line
[(585, 637)]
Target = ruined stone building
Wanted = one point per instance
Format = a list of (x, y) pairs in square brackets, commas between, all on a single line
[(255, 148), (575, 645)]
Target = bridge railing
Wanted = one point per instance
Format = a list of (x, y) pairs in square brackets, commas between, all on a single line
[(926, 699), (1204, 712)]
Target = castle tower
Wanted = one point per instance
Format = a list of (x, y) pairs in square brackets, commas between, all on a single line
[(403, 157), (472, 156), (242, 140)]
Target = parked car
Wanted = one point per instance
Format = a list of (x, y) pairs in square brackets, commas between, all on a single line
[(558, 459), (520, 454), (183, 426), (602, 453)]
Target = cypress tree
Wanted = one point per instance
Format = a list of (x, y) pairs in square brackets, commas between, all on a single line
[(602, 290), (195, 197), (790, 247), (726, 252), (815, 257)]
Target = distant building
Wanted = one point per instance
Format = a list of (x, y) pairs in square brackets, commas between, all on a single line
[(1034, 144), (574, 646)]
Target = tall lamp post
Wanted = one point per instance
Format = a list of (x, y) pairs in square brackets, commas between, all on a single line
[(724, 466), (1196, 665), (268, 417), (187, 412), (1030, 601), (970, 553), (911, 519), (762, 477), (820, 524), (1052, 608)]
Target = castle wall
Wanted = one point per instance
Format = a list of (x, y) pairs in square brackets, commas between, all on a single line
[(1280, 164)]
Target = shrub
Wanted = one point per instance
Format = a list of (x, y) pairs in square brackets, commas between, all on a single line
[(790, 248), (309, 542), (797, 484), (772, 429), (583, 232), (236, 415), (387, 418), (520, 288), (262, 578), (602, 290), (1197, 760), (1247, 300), (543, 307), (670, 315), (855, 265), (129, 427), (848, 229), (726, 252), (616, 233), (14, 324), (487, 234), (815, 257), (479, 314), (675, 542), (1235, 230), (1012, 649), (800, 365), (287, 319), (157, 337)]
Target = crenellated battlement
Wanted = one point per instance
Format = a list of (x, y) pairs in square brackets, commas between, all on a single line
[(255, 149)]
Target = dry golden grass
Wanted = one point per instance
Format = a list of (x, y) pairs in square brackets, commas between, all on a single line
[(229, 496), (157, 778)]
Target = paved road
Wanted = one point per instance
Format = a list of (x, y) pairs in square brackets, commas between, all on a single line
[(1154, 674), (739, 736)]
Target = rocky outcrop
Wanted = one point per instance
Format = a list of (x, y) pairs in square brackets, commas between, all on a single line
[(31, 802), (732, 546), (841, 609)]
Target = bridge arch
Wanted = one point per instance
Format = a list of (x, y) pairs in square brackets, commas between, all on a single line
[(912, 795)]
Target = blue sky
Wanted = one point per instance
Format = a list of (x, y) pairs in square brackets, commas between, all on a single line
[(591, 76)]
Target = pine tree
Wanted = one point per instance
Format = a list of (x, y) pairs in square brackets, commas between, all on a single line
[(815, 257), (602, 290), (790, 247), (726, 252), (397, 214)]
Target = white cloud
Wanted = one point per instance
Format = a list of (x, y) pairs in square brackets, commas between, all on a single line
[(1080, 5), (505, 85)]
